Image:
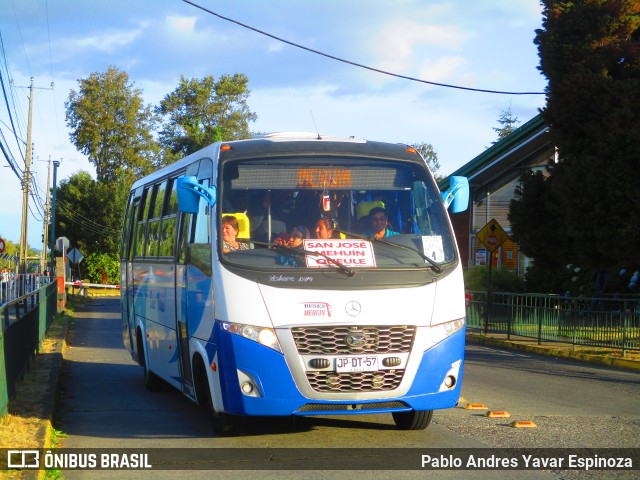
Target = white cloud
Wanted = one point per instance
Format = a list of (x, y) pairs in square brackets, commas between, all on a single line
[(182, 24), (275, 46), (401, 45), (104, 42), (441, 69)]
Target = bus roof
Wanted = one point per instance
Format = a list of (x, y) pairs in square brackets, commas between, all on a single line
[(289, 144)]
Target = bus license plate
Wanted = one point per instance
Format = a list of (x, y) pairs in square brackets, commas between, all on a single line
[(356, 364)]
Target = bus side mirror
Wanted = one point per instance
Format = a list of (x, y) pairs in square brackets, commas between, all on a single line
[(189, 193), (458, 194)]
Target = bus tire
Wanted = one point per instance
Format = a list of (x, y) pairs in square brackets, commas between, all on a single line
[(413, 420), (152, 382), (223, 424)]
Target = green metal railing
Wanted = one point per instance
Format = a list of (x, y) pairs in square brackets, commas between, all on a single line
[(598, 322), (24, 323)]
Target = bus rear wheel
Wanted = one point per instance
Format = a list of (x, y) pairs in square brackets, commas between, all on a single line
[(413, 420), (152, 382)]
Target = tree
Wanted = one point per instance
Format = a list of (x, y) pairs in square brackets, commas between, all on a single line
[(200, 112), (590, 53), (538, 229), (430, 156), (90, 213), (508, 123), (110, 124)]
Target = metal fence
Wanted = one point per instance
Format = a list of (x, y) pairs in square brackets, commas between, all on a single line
[(609, 322), (16, 286), (24, 322)]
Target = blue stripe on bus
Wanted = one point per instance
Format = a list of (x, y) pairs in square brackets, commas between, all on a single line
[(282, 397)]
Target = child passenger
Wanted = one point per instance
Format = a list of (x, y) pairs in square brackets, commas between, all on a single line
[(297, 235)]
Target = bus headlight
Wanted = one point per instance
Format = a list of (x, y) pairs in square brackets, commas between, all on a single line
[(264, 336), (438, 333)]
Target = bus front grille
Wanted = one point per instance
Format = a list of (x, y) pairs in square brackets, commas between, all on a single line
[(334, 340), (381, 380), (341, 407)]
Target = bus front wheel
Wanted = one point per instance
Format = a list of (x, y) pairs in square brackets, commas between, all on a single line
[(223, 424), (413, 420)]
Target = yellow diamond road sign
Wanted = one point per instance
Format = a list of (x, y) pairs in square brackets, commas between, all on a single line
[(492, 235)]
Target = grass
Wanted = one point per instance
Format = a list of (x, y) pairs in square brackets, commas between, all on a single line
[(28, 424), (28, 420)]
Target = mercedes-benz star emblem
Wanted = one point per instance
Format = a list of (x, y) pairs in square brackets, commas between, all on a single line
[(355, 340), (353, 308)]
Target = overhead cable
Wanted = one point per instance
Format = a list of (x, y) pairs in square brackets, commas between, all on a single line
[(349, 62)]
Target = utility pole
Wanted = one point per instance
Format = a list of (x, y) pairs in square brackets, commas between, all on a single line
[(52, 244), (45, 236), (26, 178)]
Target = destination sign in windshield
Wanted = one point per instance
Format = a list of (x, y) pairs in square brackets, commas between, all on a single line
[(352, 253)]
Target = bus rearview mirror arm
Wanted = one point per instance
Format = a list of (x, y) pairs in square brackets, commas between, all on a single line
[(458, 194), (189, 191)]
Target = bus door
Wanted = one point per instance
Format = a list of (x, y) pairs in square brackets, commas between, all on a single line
[(182, 331), (193, 284)]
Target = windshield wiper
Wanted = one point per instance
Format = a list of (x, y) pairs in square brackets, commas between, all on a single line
[(301, 251), (434, 265)]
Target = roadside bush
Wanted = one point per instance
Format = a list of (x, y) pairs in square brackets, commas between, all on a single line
[(102, 268), (477, 279)]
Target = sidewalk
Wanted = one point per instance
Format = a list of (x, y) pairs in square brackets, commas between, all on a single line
[(593, 355)]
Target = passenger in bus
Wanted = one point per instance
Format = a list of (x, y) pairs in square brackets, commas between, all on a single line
[(293, 240), (325, 228), (282, 239), (379, 224), (297, 235), (230, 231)]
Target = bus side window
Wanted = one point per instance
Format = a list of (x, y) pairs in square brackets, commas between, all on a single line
[(199, 246), (143, 211), (183, 236), (169, 223)]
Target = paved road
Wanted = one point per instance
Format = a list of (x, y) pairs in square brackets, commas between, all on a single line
[(105, 405)]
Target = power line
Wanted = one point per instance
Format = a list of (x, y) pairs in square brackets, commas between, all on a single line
[(85, 222), (11, 91), (349, 62)]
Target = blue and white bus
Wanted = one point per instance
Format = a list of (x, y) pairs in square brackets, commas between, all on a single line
[(351, 324)]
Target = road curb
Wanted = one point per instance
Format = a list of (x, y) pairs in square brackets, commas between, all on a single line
[(605, 360), (50, 406)]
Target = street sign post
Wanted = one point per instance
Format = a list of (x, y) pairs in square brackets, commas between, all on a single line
[(492, 236), (74, 255)]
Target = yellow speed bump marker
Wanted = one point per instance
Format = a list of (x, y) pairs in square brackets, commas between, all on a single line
[(497, 414), (525, 424), (475, 406)]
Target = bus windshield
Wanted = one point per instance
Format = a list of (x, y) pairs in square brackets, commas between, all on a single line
[(313, 213)]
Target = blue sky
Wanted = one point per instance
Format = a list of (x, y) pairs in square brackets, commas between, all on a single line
[(484, 44)]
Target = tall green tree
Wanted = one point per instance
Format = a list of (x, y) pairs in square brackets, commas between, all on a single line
[(508, 123), (202, 111), (590, 53), (430, 156), (111, 125), (89, 213), (539, 231)]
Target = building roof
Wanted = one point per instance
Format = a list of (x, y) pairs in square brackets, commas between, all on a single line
[(521, 144)]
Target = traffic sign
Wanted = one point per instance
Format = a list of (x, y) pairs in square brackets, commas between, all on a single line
[(62, 243), (74, 255), (2, 245), (492, 235)]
